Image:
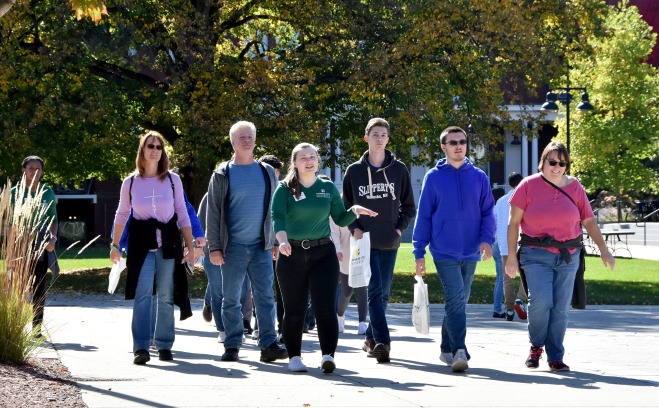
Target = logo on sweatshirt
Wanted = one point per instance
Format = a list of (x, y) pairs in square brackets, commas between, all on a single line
[(322, 194), (380, 190)]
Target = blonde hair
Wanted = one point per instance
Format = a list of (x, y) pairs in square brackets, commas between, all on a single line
[(292, 180), (140, 160)]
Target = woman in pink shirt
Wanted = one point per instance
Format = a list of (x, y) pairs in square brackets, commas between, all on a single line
[(550, 207), (155, 254)]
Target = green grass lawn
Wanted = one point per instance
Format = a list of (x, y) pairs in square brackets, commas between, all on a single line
[(634, 281)]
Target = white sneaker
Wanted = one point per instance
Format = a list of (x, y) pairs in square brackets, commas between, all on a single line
[(342, 323), (221, 336), (446, 358), (327, 364), (361, 329), (296, 365), (460, 361)]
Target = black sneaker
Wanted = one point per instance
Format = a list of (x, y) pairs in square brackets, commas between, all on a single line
[(141, 357), (207, 312), (273, 352), (510, 315), (533, 361), (247, 328), (230, 354), (381, 352), (498, 315), (558, 365), (165, 355)]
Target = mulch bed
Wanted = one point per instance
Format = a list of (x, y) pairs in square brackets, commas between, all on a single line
[(43, 382)]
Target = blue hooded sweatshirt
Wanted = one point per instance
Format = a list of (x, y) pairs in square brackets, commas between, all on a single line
[(455, 213)]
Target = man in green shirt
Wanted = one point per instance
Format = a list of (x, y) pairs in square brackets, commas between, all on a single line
[(33, 171)]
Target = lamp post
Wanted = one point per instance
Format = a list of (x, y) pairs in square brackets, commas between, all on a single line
[(565, 97)]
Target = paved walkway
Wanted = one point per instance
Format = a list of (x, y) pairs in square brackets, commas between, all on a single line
[(611, 349)]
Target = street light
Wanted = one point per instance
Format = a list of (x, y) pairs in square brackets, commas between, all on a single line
[(565, 98)]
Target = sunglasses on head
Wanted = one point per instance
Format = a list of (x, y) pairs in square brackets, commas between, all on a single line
[(457, 142), (154, 146), (554, 163)]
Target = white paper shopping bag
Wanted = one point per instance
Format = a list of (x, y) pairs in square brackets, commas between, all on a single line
[(359, 273)]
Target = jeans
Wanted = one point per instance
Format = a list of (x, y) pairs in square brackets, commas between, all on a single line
[(253, 260), (456, 280), (214, 291), (498, 286), (382, 272), (162, 271), (550, 281), (509, 296), (315, 271)]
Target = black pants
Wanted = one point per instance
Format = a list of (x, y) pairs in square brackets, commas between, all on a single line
[(312, 271), (39, 290)]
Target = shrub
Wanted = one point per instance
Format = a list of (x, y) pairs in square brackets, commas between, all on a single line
[(20, 222)]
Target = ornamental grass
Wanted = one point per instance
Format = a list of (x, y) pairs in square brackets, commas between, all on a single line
[(20, 223)]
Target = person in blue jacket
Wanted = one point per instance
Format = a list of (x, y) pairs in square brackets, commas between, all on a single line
[(455, 217)]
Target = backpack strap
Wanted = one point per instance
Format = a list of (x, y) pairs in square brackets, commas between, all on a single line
[(130, 190)]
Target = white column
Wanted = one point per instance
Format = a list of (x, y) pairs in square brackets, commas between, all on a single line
[(534, 155), (525, 156)]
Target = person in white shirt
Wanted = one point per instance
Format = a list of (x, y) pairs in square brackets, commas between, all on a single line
[(501, 214)]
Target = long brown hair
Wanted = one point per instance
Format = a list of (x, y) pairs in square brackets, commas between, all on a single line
[(163, 163), (292, 180)]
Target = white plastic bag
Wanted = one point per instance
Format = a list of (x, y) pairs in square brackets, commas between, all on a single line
[(115, 273), (359, 273), (421, 307)]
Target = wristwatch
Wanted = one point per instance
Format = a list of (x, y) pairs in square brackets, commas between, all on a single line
[(114, 246)]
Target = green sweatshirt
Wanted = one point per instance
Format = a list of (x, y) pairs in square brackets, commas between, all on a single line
[(308, 217)]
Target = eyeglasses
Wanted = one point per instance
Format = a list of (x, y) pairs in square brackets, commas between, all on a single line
[(554, 163), (460, 142), (154, 146)]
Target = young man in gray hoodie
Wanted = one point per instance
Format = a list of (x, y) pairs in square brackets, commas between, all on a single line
[(380, 182)]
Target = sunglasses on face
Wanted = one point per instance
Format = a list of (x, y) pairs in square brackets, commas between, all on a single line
[(154, 146), (554, 163), (460, 142)]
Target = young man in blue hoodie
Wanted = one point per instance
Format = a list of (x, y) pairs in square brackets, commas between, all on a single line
[(456, 219), (380, 182)]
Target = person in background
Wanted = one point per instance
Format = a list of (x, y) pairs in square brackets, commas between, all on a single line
[(154, 197), (240, 237), (501, 215), (341, 239), (307, 261), (276, 164), (33, 171), (550, 207), (455, 217), (380, 182)]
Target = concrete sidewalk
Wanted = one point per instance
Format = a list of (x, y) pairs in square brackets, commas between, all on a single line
[(611, 350)]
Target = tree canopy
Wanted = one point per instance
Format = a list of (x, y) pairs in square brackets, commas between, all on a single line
[(80, 92), (614, 146)]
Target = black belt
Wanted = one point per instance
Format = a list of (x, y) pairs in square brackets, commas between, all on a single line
[(308, 243)]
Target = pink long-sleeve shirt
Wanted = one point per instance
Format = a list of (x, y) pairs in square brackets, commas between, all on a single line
[(152, 198)]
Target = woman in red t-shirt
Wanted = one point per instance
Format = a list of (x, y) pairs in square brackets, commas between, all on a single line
[(550, 207)]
